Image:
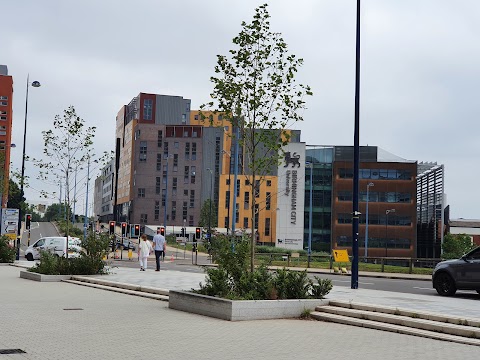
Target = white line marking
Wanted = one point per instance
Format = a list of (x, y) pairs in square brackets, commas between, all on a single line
[(421, 288)]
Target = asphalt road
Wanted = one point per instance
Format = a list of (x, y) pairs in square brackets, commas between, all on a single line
[(183, 262)]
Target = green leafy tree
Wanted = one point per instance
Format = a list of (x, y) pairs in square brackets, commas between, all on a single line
[(456, 245), (15, 197), (255, 89), (205, 215), (66, 147), (56, 212)]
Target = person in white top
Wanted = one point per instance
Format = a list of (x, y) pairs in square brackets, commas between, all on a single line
[(144, 249)]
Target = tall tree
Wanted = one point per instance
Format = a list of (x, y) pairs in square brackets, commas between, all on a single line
[(456, 245), (255, 89), (66, 147), (208, 217)]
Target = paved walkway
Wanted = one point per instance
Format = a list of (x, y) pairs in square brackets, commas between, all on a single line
[(35, 317)]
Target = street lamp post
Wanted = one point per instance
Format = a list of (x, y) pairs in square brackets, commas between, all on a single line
[(366, 221), (229, 186), (22, 179), (210, 211), (386, 229), (166, 196), (310, 165)]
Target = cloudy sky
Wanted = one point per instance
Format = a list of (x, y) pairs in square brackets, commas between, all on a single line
[(420, 70)]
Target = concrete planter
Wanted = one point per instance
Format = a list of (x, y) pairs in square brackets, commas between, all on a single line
[(237, 310), (40, 277)]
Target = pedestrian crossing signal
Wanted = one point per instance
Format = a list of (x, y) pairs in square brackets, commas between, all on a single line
[(28, 220), (111, 229), (136, 230), (198, 233), (162, 231)]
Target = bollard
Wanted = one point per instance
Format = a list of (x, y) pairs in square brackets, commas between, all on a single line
[(17, 256), (130, 254)]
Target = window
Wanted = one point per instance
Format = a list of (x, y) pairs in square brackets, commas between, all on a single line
[(175, 162), (220, 117), (143, 218), (194, 151), (143, 151), (257, 188), (141, 192), (165, 150), (246, 204), (256, 216), (174, 210), (238, 188), (176, 144), (245, 222), (237, 215), (225, 222), (164, 197), (227, 199), (157, 210), (196, 117), (268, 201), (174, 183), (186, 175), (185, 192), (187, 151), (157, 185), (147, 109), (267, 226), (160, 138), (269, 182), (159, 162), (184, 210), (3, 103), (192, 198), (184, 118), (3, 97)]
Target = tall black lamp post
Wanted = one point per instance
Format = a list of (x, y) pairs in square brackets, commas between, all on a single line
[(22, 179)]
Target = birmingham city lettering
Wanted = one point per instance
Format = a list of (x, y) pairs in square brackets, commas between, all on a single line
[(293, 189)]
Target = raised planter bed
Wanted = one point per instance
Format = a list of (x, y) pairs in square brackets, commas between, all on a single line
[(41, 277), (237, 310)]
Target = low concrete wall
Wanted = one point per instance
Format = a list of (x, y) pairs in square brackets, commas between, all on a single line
[(237, 310), (41, 277)]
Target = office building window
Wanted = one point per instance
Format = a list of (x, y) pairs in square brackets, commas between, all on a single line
[(194, 151), (192, 198), (147, 109), (159, 162), (141, 192), (245, 222), (269, 182), (157, 185), (268, 201), (165, 150), (187, 151), (257, 188), (143, 218)]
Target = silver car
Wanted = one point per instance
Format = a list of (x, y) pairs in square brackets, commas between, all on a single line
[(460, 274)]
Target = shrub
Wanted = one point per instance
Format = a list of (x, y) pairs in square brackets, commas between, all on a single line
[(7, 252), (88, 263), (233, 280)]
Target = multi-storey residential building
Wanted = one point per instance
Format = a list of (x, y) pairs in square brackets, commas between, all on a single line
[(391, 185), (104, 192), (6, 99)]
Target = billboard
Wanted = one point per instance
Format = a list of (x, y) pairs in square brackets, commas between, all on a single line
[(291, 197)]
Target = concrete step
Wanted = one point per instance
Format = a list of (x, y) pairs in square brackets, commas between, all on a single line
[(408, 313), (120, 290), (371, 324), (133, 287)]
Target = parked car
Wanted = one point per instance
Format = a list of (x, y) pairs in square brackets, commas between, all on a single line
[(127, 244), (55, 245), (460, 274)]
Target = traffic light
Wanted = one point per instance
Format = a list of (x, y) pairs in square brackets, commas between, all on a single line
[(28, 220), (183, 232), (136, 230), (198, 233), (124, 229), (111, 229), (162, 231)]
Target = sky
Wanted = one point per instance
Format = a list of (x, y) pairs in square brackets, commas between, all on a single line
[(419, 71)]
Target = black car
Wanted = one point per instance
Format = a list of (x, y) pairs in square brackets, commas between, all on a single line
[(460, 274), (127, 245)]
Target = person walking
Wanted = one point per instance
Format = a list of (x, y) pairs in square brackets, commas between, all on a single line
[(144, 249), (160, 246)]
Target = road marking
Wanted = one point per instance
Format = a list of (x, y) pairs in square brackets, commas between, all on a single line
[(421, 288)]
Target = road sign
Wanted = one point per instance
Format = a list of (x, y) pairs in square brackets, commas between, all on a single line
[(10, 219), (341, 256)]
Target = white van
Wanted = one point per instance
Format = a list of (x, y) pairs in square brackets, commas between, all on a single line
[(55, 245)]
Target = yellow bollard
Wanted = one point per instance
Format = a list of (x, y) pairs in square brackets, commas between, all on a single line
[(130, 254)]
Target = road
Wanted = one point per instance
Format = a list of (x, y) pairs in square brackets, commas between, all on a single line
[(37, 230), (183, 262)]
